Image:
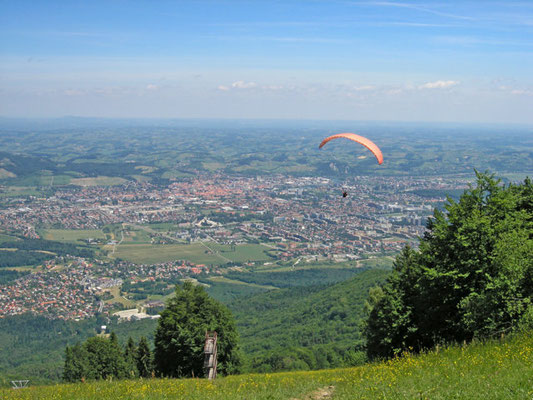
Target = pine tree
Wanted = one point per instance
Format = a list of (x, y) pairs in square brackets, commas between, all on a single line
[(130, 358), (77, 366), (144, 358)]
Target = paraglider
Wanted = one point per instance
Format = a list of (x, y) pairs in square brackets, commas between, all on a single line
[(370, 145)]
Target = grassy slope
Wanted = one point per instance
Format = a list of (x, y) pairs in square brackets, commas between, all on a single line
[(494, 370)]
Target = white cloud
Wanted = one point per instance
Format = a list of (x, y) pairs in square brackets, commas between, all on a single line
[(363, 88), (243, 85), (223, 88), (272, 87), (438, 85), (522, 92), (152, 87)]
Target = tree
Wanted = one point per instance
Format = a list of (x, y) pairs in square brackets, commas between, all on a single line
[(144, 358), (130, 358), (97, 358), (472, 276), (76, 363), (105, 358), (180, 335)]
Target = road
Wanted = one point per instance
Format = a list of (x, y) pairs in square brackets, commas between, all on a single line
[(116, 244)]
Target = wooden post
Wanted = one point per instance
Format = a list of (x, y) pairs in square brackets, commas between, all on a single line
[(210, 351)]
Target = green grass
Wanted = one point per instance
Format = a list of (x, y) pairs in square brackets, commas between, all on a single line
[(194, 252), (7, 238), (117, 298), (243, 252), (494, 370), (378, 262), (19, 191), (152, 254), (71, 235), (98, 181), (135, 237)]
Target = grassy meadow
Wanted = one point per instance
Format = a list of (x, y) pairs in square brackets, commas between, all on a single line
[(493, 370), (198, 253), (71, 235), (98, 181)]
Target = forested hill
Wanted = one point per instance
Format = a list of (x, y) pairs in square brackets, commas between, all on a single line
[(305, 328)]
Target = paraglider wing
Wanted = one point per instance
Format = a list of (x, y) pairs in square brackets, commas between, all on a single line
[(369, 144)]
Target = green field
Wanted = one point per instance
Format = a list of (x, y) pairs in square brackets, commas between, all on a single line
[(135, 237), (117, 298), (19, 191), (98, 181), (7, 238), (378, 262), (243, 252), (71, 235), (195, 252), (500, 370)]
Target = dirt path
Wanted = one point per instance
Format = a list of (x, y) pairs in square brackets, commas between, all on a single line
[(324, 393)]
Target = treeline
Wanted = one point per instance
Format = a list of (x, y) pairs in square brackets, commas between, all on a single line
[(145, 288), (308, 358), (432, 193), (9, 275), (22, 258), (101, 357), (299, 277), (472, 276), (94, 169), (22, 165), (59, 248)]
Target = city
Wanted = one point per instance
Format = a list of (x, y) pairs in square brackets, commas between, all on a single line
[(146, 234)]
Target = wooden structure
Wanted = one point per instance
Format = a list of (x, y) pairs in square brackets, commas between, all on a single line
[(210, 351)]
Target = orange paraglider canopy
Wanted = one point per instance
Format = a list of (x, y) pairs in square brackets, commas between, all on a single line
[(369, 144)]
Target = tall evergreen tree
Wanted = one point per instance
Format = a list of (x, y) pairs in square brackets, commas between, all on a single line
[(144, 358), (77, 366), (130, 358)]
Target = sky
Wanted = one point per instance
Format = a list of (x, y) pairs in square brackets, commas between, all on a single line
[(445, 61)]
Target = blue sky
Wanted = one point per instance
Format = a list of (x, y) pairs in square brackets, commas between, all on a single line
[(357, 60)]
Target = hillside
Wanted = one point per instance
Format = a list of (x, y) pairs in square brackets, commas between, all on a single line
[(493, 370), (308, 320), (307, 327)]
